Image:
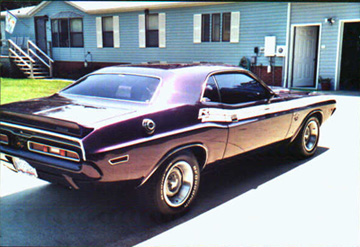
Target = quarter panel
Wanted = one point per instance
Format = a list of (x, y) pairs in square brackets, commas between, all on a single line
[(144, 157)]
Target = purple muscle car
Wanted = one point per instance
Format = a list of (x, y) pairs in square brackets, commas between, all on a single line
[(158, 126)]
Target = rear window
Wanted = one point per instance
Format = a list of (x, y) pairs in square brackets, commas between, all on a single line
[(116, 86)]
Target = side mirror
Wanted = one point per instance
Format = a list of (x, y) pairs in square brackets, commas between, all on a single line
[(270, 97)]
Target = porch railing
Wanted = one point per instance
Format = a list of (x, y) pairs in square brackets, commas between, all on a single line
[(49, 62), (16, 52), (28, 59)]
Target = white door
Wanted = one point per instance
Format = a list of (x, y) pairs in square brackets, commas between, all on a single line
[(305, 56)]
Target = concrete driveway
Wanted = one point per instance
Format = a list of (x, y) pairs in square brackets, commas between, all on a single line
[(267, 200)]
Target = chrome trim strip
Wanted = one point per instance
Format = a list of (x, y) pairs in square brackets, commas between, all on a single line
[(159, 136), (48, 133), (43, 138), (3, 142), (126, 159), (172, 153), (51, 154), (242, 122)]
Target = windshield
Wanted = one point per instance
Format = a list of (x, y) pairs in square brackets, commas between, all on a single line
[(116, 86)]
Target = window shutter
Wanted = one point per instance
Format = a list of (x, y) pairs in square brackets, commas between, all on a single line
[(2, 28), (197, 28), (142, 43), (116, 28), (235, 27), (162, 30), (99, 40)]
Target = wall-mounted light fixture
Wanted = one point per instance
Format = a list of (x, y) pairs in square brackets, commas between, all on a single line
[(330, 20)]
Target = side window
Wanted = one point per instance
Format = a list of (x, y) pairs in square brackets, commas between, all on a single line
[(238, 88), (211, 93)]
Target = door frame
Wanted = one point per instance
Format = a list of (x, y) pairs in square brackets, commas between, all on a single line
[(46, 18), (339, 50), (291, 54)]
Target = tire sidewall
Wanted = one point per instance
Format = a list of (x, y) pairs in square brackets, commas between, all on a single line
[(304, 151), (161, 203)]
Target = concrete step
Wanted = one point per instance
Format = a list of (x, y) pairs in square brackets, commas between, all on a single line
[(38, 76), (24, 69), (37, 73)]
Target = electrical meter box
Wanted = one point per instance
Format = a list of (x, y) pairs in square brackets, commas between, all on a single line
[(270, 46)]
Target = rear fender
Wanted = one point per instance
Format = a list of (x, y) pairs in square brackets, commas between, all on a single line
[(318, 113), (199, 150)]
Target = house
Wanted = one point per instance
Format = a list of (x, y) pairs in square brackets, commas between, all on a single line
[(286, 44)]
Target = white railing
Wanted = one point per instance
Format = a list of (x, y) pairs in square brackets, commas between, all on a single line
[(18, 53), (48, 64), (14, 50)]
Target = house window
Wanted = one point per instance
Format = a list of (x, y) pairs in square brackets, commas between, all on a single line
[(152, 30), (76, 33), (205, 28), (64, 33), (217, 27), (226, 20), (215, 24), (108, 31), (67, 33), (55, 33)]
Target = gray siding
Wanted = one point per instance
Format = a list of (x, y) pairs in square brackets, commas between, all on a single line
[(257, 21), (303, 13)]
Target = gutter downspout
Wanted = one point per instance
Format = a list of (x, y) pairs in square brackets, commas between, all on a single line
[(286, 83)]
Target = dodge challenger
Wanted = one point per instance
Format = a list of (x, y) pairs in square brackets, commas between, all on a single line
[(158, 126)]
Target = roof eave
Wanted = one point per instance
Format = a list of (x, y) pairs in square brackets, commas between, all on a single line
[(39, 7), (166, 5)]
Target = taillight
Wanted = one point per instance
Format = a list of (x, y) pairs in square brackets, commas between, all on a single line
[(4, 139), (54, 151)]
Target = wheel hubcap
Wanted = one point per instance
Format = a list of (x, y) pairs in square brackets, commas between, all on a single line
[(311, 135), (178, 184)]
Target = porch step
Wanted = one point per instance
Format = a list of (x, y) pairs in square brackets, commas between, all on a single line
[(36, 73), (29, 60), (35, 66), (26, 69)]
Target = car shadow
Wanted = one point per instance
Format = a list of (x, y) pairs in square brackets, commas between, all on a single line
[(51, 215)]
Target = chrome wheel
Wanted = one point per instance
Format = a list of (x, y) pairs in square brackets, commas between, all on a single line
[(311, 135), (178, 184)]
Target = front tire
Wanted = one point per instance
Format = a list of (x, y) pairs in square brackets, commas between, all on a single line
[(174, 187), (305, 144)]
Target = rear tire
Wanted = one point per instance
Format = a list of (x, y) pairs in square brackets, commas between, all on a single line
[(174, 186), (305, 144)]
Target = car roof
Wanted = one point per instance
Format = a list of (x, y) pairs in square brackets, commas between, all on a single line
[(162, 70)]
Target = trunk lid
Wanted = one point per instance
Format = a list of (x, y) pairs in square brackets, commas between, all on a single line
[(75, 117)]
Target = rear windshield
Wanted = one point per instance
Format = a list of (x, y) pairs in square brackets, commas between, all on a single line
[(116, 86)]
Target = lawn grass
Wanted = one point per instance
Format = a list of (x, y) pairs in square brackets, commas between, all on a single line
[(22, 89)]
